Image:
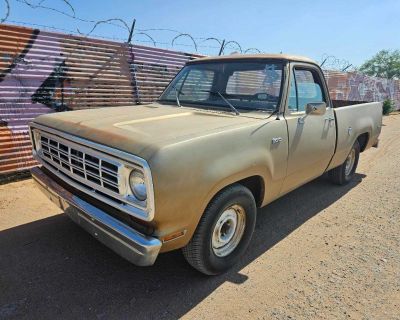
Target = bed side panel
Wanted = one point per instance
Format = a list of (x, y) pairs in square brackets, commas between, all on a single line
[(351, 122)]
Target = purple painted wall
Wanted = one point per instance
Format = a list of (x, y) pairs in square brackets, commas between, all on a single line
[(43, 72)]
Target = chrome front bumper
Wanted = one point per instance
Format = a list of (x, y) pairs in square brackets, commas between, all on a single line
[(137, 248)]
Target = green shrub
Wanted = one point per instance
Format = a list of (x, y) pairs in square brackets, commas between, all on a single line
[(388, 106)]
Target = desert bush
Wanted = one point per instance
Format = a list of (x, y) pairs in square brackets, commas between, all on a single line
[(388, 106)]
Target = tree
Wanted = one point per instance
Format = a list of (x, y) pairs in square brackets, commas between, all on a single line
[(385, 64)]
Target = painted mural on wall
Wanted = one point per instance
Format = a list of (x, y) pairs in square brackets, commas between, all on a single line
[(353, 86), (42, 72)]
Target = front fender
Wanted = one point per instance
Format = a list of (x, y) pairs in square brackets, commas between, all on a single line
[(187, 175)]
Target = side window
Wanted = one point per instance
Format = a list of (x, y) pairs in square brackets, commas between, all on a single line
[(308, 89)]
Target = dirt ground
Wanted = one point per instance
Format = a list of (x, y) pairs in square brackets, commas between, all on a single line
[(321, 252)]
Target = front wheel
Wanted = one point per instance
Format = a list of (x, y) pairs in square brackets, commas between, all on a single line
[(224, 231), (345, 172)]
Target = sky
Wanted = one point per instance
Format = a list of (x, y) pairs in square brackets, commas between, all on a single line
[(349, 30)]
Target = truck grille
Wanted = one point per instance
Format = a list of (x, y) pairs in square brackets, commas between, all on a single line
[(80, 165), (99, 171)]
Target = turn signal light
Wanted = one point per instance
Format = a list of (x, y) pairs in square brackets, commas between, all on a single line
[(174, 235)]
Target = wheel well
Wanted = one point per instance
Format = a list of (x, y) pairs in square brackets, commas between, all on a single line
[(363, 141), (256, 185)]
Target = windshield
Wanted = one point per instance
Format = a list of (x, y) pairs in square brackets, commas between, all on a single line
[(247, 85)]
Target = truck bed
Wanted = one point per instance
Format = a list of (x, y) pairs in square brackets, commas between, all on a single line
[(351, 122)]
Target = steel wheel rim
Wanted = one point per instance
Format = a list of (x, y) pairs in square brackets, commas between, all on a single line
[(228, 230), (350, 162)]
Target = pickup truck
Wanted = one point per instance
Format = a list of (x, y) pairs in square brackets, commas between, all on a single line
[(228, 135)]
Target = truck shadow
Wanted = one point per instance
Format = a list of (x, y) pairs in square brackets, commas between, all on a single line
[(53, 268)]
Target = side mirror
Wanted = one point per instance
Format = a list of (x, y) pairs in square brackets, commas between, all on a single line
[(317, 108)]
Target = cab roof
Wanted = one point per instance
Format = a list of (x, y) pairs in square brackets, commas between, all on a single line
[(286, 57)]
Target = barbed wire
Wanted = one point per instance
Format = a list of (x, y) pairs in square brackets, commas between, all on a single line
[(39, 5), (184, 35), (122, 24), (232, 42), (252, 49), (215, 39), (150, 41), (104, 22), (145, 34), (72, 32), (327, 62), (74, 16), (7, 14), (330, 62)]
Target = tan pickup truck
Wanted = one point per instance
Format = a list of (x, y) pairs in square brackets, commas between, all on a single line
[(228, 135)]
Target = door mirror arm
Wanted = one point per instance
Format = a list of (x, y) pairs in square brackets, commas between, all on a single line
[(302, 119), (315, 108)]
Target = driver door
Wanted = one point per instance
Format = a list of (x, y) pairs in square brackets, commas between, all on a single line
[(312, 137)]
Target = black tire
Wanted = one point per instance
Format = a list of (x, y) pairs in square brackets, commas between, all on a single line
[(338, 175), (199, 252)]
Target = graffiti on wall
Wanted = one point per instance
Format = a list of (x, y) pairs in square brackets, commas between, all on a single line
[(42, 72), (353, 86)]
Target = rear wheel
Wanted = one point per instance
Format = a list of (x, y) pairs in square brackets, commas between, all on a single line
[(345, 172), (224, 231)]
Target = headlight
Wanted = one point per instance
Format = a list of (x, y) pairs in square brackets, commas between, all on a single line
[(138, 185)]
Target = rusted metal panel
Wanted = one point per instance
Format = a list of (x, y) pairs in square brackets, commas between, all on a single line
[(42, 72)]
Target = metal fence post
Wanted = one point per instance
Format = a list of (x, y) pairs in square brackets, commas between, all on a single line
[(222, 47), (131, 31)]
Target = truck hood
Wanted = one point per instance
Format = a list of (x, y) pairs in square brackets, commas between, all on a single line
[(141, 130)]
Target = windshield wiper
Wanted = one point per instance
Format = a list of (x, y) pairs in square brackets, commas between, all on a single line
[(177, 93), (276, 111), (223, 98)]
